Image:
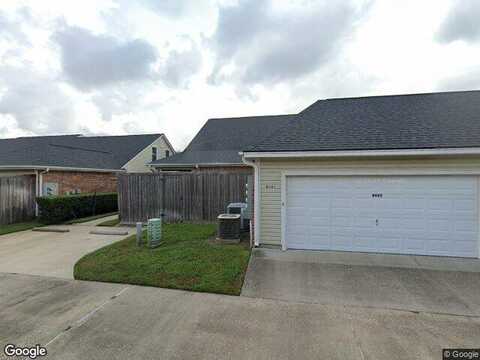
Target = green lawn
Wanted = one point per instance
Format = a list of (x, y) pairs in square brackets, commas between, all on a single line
[(187, 259), (113, 222), (7, 229)]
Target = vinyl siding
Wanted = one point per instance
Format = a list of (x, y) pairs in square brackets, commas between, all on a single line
[(271, 175), (138, 163)]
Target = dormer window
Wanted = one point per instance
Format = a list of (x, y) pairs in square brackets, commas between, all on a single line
[(167, 153), (154, 153)]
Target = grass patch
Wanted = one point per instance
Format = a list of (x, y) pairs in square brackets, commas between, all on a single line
[(113, 222), (7, 229), (89, 218), (187, 259)]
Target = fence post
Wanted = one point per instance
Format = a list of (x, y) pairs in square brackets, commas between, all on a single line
[(162, 200), (139, 233)]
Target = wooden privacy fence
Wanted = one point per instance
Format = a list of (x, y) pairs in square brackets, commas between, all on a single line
[(184, 196), (17, 199)]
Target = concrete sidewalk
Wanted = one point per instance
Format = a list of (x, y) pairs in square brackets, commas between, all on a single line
[(84, 320), (366, 280), (51, 254), (98, 221)]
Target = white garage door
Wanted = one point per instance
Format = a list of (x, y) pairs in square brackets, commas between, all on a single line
[(426, 215)]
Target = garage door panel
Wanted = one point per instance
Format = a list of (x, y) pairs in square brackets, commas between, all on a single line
[(442, 224), (321, 240), (362, 243), (438, 245), (341, 203), (465, 225), (414, 244), (465, 205), (427, 215), (466, 247), (365, 222), (413, 203)]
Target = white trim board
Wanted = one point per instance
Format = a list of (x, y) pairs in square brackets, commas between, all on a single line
[(58, 168), (199, 165), (363, 153), (256, 198)]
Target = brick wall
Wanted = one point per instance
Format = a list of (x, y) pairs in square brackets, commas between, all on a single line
[(85, 182)]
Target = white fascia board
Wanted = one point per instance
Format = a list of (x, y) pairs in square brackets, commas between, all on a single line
[(59, 168), (196, 165), (169, 144), (363, 153)]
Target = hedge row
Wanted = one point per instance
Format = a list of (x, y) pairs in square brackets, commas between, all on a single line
[(57, 209)]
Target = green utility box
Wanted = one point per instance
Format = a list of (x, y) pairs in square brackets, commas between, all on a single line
[(154, 232)]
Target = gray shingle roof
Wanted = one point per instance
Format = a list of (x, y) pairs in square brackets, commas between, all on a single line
[(96, 152), (416, 121), (220, 140)]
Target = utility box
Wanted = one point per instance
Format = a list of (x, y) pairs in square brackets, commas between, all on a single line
[(229, 227), (154, 232), (241, 209)]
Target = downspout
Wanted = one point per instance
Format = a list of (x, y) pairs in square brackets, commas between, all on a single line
[(39, 187), (37, 191), (256, 199), (41, 181)]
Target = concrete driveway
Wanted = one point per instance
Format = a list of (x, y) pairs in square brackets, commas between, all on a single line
[(85, 320), (395, 282), (51, 254)]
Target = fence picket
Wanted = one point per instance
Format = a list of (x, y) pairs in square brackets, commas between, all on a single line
[(188, 196), (17, 199)]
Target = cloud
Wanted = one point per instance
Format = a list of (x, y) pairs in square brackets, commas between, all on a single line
[(468, 80), (124, 99), (265, 46), (35, 101), (181, 65), (461, 23), (176, 8), (92, 61), (168, 7), (12, 26)]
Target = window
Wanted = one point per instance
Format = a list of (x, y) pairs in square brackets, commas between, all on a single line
[(154, 153), (167, 153)]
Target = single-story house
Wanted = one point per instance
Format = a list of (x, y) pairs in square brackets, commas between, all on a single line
[(218, 144), (72, 164), (390, 174)]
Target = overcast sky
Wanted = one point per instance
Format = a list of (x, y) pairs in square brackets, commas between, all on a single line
[(126, 67)]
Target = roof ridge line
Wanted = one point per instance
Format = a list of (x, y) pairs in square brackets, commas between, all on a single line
[(398, 95), (251, 116), (80, 148)]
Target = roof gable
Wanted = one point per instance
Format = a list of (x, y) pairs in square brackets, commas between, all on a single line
[(73, 151), (219, 141)]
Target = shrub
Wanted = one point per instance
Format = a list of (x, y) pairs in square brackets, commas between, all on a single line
[(57, 209)]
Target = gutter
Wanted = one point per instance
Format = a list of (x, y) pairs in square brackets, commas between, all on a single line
[(362, 153), (60, 168), (194, 165), (256, 199)]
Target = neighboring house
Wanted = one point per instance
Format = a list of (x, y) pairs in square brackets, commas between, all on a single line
[(217, 146), (77, 164), (393, 174)]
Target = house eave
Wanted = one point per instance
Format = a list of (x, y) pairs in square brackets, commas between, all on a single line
[(362, 153), (196, 165), (58, 168)]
